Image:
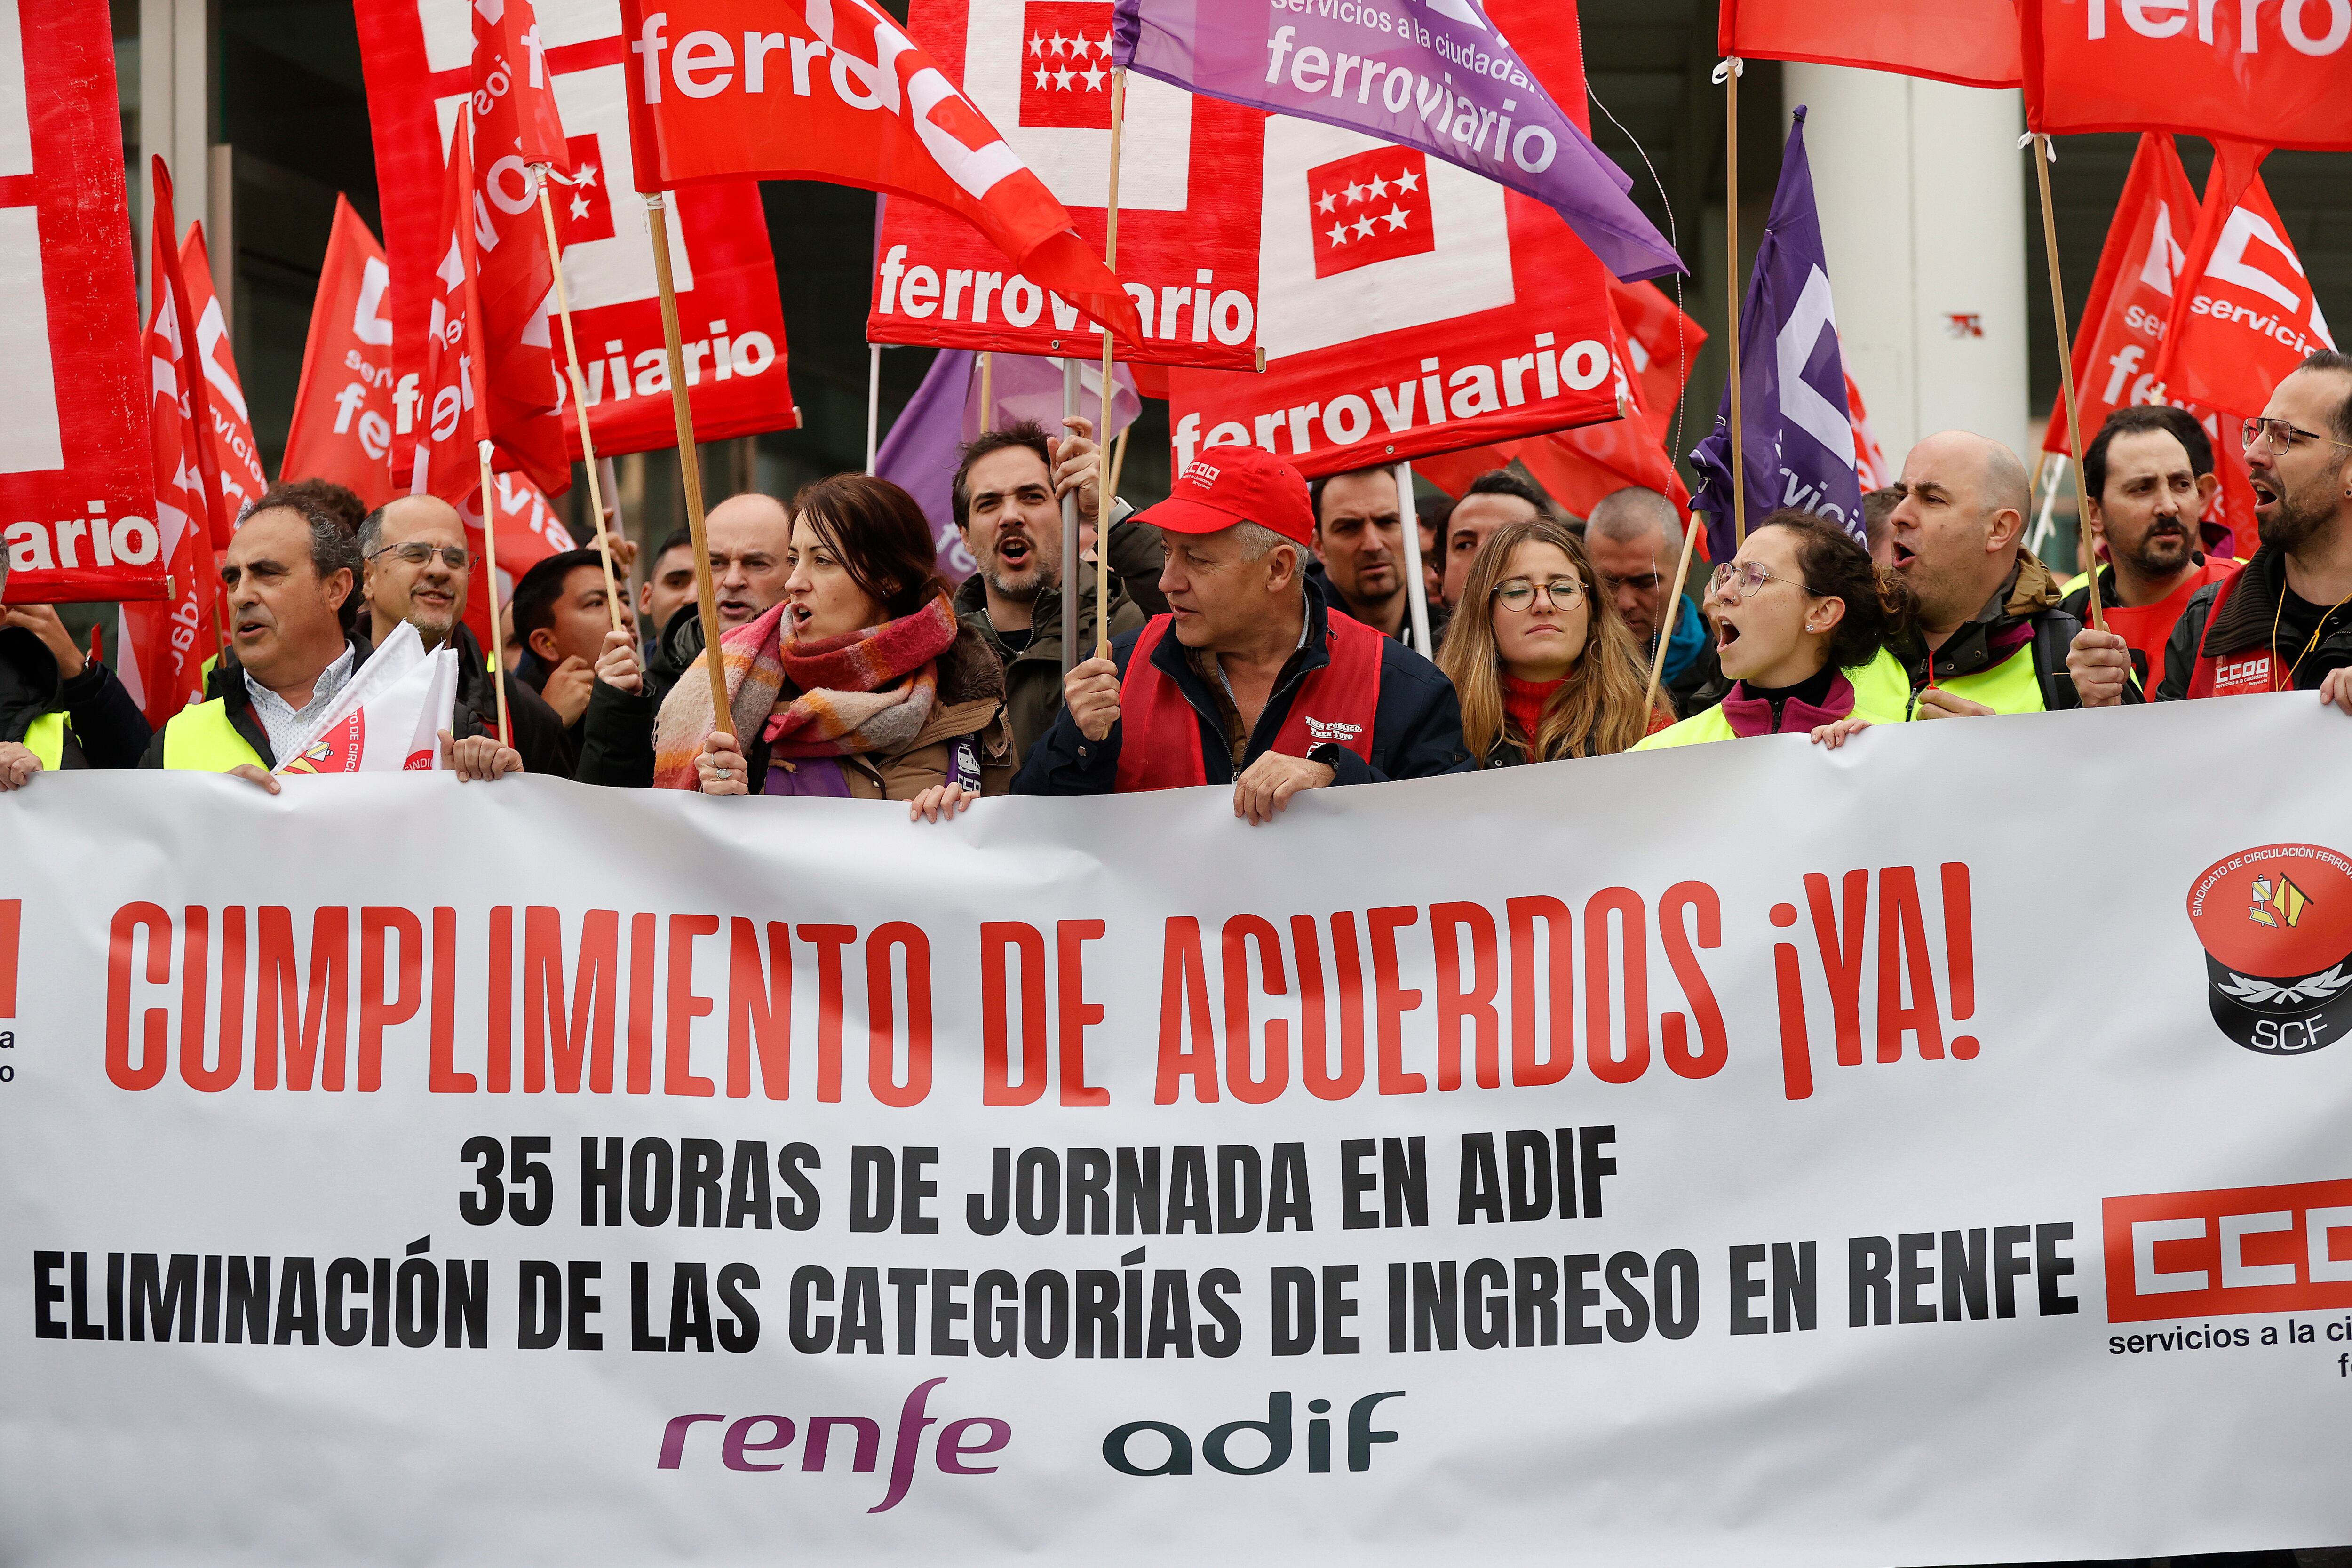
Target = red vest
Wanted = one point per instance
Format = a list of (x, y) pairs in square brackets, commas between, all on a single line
[(1159, 745), (2245, 674), (2146, 629)]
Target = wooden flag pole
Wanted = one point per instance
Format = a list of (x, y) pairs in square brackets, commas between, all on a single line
[(579, 398), (1118, 458), (1103, 403), (497, 648), (2066, 368), (690, 467), (1670, 607), (1733, 289), (987, 392)]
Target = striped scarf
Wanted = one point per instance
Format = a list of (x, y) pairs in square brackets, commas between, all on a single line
[(863, 691)]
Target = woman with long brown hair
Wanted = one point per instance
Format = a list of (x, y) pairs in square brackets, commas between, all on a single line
[(860, 683), (1543, 665)]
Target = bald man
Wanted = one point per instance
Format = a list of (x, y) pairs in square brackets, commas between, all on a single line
[(1991, 636), (1635, 537), (749, 536), (416, 565)]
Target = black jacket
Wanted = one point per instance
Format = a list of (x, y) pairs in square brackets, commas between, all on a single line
[(1438, 614), (2031, 596), (534, 727), (226, 682), (2245, 623), (616, 733), (1416, 727), (104, 728)]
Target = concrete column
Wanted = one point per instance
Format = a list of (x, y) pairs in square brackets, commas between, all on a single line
[(1923, 200), (175, 106)]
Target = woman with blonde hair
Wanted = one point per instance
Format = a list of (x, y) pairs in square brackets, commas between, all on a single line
[(1543, 664), (860, 683), (1801, 622)]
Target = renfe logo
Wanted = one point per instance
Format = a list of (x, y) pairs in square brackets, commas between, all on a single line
[(2238, 1249), (750, 1439)]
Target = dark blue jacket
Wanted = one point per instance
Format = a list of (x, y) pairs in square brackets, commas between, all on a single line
[(1416, 728)]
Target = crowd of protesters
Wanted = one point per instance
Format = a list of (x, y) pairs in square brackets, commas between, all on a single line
[(1257, 631)]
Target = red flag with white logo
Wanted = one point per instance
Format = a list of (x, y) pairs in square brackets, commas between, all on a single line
[(341, 429), (511, 81), (162, 644), (2247, 315), (2121, 337), (1661, 343), (417, 55), (1580, 467), (1971, 42), (1410, 308), (866, 106), (440, 430), (77, 490), (2268, 73), (1187, 210), (529, 533), (234, 456), (514, 278)]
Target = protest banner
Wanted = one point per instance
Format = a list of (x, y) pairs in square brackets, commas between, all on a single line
[(2272, 75), (417, 55), (1188, 236), (1107, 1178), (77, 491)]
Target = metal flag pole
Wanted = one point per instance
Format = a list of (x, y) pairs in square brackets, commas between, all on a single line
[(1070, 528), (539, 173), (1733, 286), (497, 648), (2042, 156), (689, 465), (1416, 594), (873, 403), (1102, 407)]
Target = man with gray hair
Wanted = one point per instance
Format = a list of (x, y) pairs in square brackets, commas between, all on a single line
[(1634, 537), (1991, 636), (1250, 679)]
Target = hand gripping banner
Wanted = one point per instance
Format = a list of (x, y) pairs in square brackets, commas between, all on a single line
[(1107, 1180), (417, 54)]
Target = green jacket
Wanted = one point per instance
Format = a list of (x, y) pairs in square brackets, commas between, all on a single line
[(1033, 677)]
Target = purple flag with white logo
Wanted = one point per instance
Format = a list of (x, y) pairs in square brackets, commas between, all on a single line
[(1435, 75), (1793, 411)]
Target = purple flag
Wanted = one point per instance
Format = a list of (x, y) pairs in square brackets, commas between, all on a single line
[(918, 455), (1434, 75), (1794, 412)]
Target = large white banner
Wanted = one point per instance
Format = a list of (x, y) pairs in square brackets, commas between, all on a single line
[(1933, 1152)]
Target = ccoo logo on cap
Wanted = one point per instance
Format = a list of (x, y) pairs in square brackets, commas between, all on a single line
[(2276, 925), (1227, 485)]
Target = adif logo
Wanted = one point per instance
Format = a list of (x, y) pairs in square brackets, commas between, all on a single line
[(1201, 474), (1321, 729)]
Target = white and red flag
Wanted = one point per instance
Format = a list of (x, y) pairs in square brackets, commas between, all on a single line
[(2246, 314), (2120, 341), (1971, 42), (418, 59), (1870, 467), (1188, 208), (865, 106), (76, 490), (161, 644), (341, 430), (438, 420), (2271, 74), (389, 718), (529, 533), (236, 458), (1411, 308)]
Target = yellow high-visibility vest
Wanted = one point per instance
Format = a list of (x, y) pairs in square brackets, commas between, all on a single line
[(46, 739), (200, 738)]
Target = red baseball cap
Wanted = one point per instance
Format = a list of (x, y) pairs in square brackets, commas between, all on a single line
[(1226, 485)]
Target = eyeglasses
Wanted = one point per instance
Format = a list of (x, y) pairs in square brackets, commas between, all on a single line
[(417, 554), (2279, 436), (1561, 593), (1737, 579)]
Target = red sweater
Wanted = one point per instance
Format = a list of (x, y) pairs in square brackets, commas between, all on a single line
[(1524, 700)]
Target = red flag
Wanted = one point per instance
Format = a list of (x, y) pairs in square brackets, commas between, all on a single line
[(236, 458), (341, 429), (2273, 74), (444, 425), (420, 77), (77, 493), (1500, 330), (514, 273), (163, 643), (1660, 343), (529, 533), (512, 78), (1580, 467), (1189, 208), (866, 107), (2246, 315), (1870, 466), (1971, 42)]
